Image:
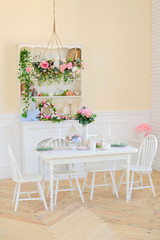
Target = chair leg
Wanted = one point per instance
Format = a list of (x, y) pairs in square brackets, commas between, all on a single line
[(141, 179), (42, 195), (120, 182), (79, 188), (105, 181), (113, 183), (39, 193), (84, 183), (131, 186), (17, 198), (48, 190), (70, 181), (15, 191), (92, 187), (150, 179), (56, 192)]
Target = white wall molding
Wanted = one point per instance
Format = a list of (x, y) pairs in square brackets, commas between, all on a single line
[(25, 136)]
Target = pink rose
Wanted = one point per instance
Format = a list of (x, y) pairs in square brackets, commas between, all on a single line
[(44, 101), (79, 111), (69, 65), (82, 63), (28, 69), (58, 115), (44, 64), (34, 73), (62, 68), (77, 71), (73, 74)]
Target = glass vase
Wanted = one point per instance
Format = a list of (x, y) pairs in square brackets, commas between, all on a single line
[(85, 135)]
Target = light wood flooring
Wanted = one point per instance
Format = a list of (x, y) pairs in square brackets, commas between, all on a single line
[(103, 218)]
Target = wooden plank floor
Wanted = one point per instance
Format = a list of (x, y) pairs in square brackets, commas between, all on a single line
[(103, 218)]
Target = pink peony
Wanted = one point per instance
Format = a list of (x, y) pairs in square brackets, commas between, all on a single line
[(28, 69), (44, 64), (69, 65), (145, 128), (62, 68), (87, 112)]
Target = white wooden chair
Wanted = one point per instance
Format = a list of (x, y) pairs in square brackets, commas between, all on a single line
[(62, 172), (24, 178), (101, 167), (145, 159)]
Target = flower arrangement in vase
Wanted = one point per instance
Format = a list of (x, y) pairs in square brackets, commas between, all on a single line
[(85, 117), (143, 129)]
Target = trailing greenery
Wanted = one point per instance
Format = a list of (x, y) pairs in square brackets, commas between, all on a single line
[(25, 79)]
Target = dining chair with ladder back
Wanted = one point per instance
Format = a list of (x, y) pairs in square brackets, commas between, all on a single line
[(143, 166)]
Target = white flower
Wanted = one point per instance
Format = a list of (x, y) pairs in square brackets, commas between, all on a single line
[(56, 64), (63, 59), (74, 69), (56, 58)]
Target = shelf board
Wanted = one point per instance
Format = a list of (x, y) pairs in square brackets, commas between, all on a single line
[(33, 79), (41, 97)]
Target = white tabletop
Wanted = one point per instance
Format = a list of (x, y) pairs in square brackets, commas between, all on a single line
[(69, 153)]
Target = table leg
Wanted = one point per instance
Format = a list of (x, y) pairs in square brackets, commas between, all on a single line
[(51, 186), (43, 175), (128, 178)]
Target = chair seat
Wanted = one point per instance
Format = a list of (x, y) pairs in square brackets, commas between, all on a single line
[(134, 168), (33, 177)]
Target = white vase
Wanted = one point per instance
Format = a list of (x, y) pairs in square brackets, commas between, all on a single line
[(85, 135), (141, 136)]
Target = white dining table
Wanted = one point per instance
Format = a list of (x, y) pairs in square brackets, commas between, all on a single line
[(69, 156)]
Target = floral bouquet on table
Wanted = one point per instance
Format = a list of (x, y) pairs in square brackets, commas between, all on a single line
[(85, 116), (144, 129)]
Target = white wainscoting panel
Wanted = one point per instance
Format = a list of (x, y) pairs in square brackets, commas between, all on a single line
[(9, 133), (24, 136)]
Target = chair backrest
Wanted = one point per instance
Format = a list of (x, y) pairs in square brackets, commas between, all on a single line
[(55, 143), (147, 151), (17, 176)]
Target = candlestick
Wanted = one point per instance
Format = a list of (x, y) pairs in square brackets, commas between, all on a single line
[(70, 107), (109, 130)]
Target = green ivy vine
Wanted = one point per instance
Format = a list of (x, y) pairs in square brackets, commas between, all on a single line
[(25, 79)]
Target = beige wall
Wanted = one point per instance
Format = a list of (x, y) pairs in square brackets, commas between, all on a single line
[(116, 38)]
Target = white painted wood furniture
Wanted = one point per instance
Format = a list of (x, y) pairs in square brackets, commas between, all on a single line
[(100, 167), (144, 163), (62, 172), (24, 178), (76, 86), (87, 156)]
